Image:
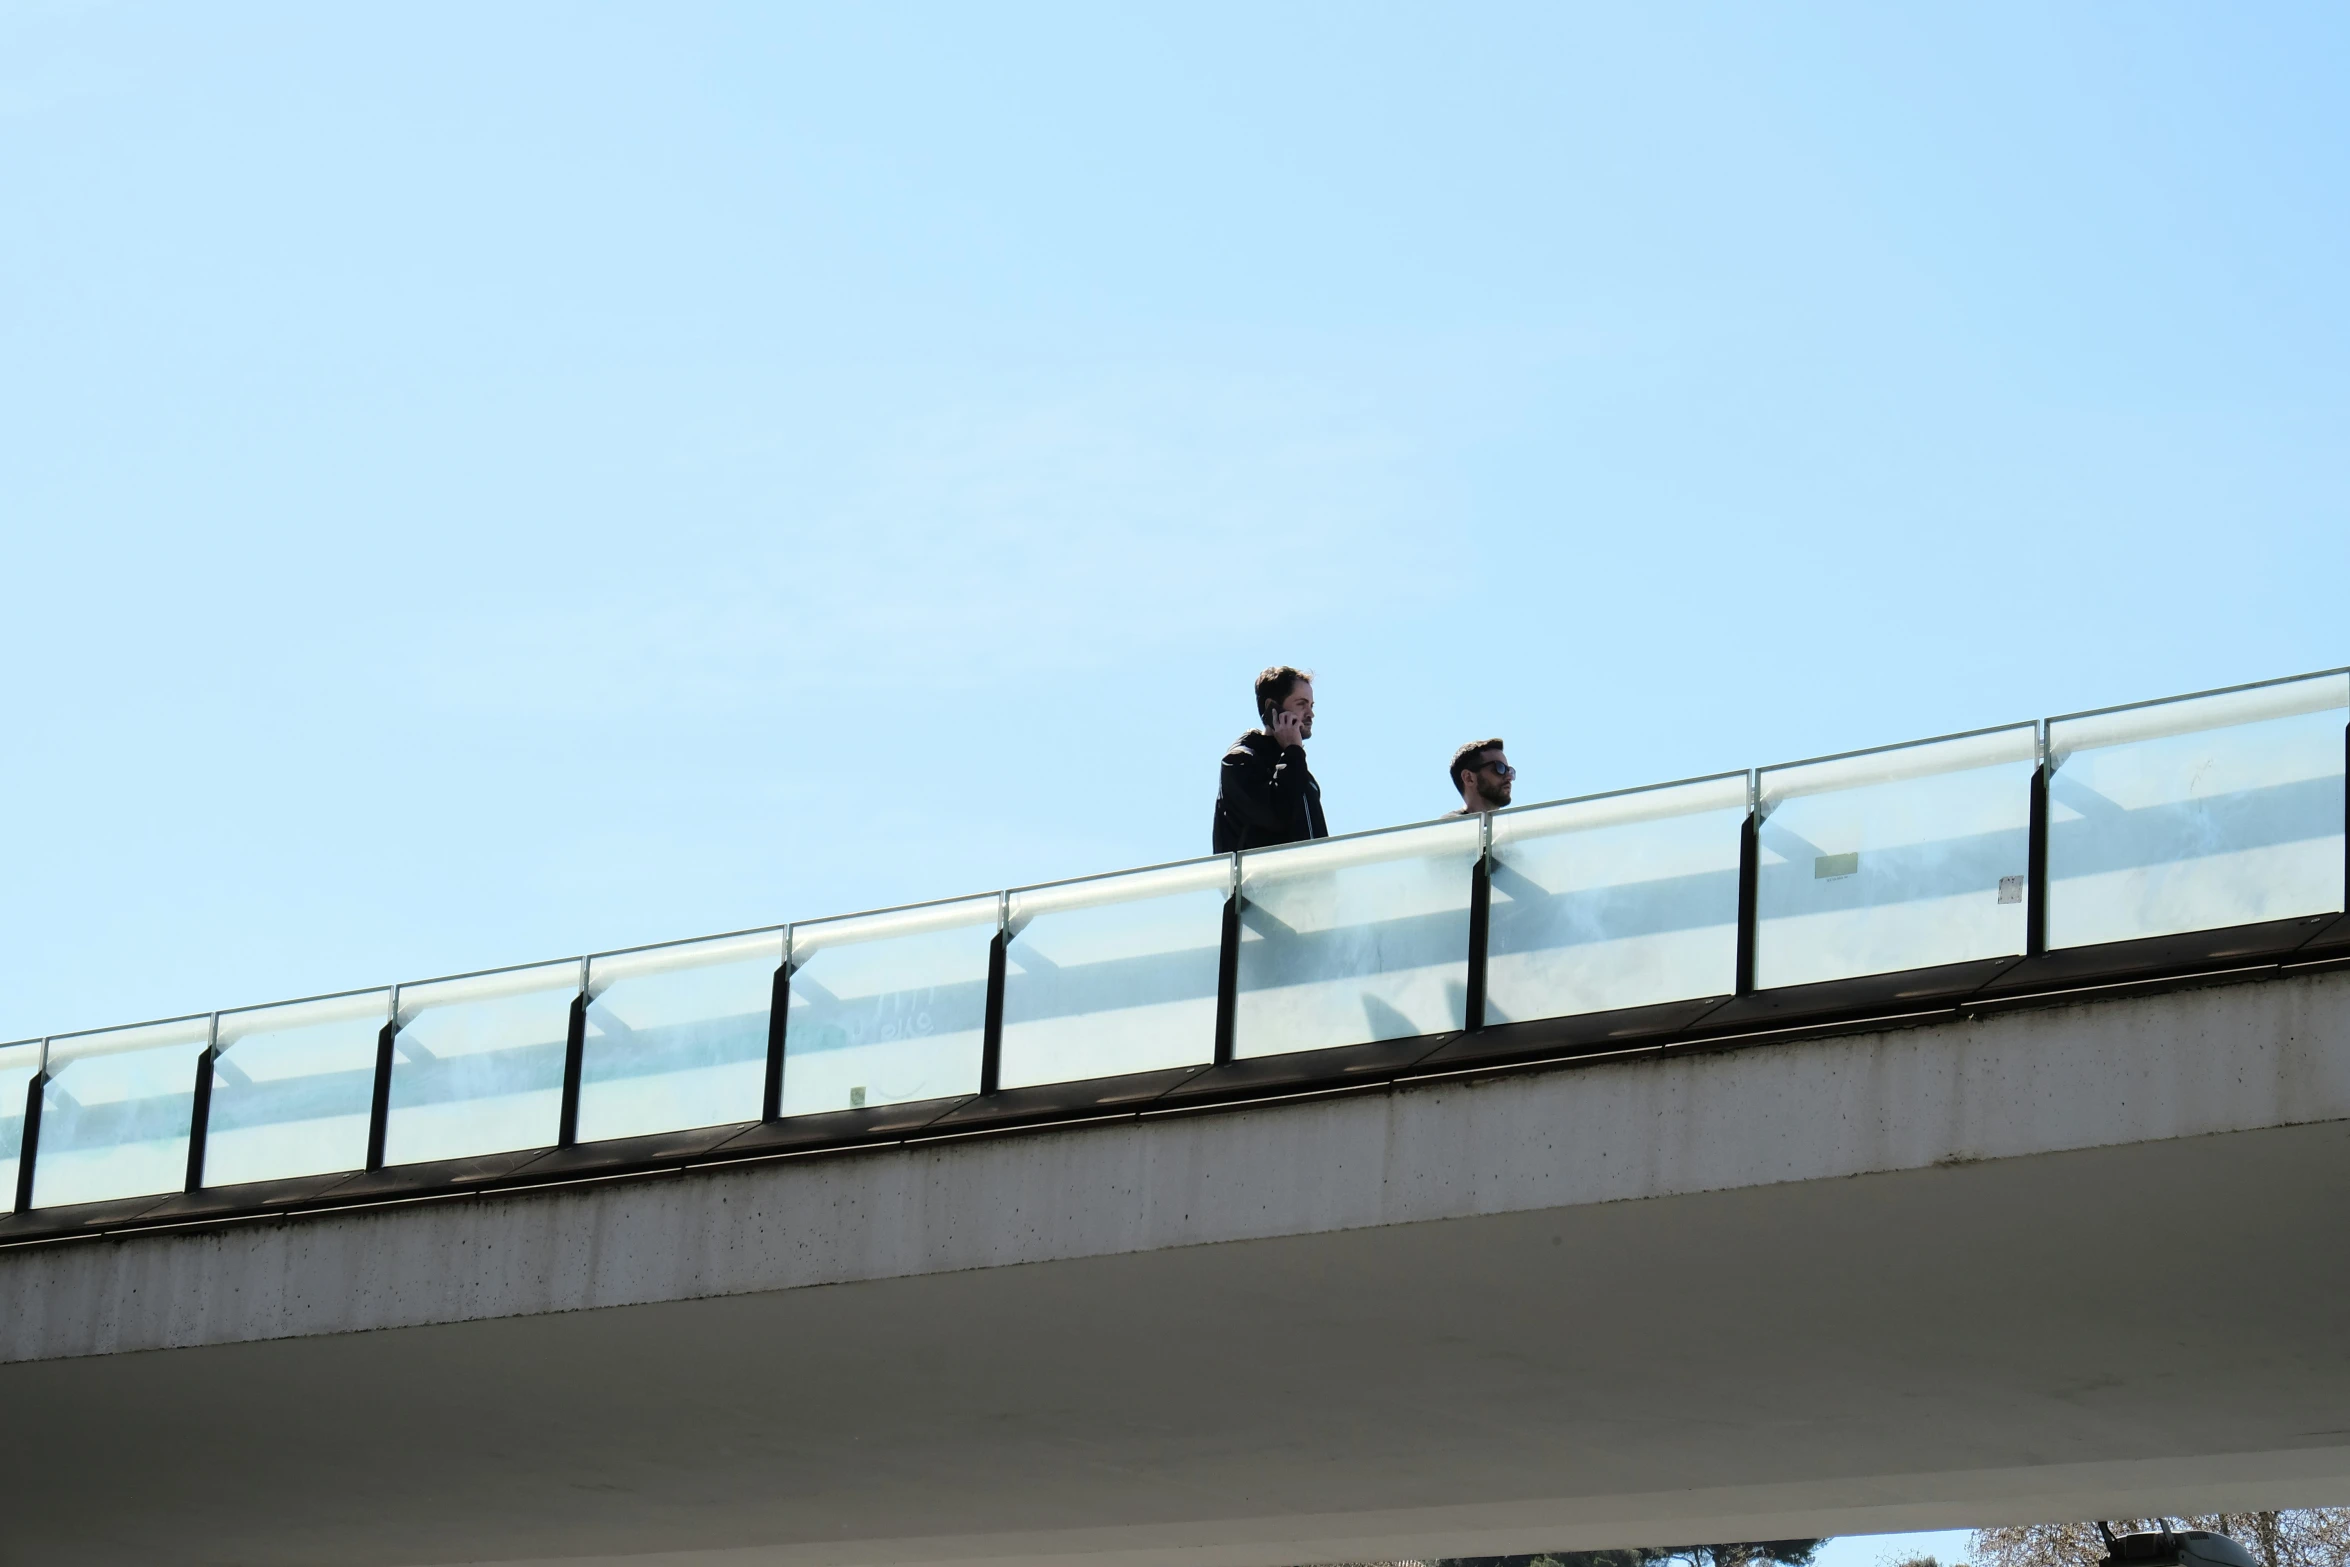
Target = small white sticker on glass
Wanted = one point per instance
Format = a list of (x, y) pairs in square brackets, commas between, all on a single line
[(2011, 889)]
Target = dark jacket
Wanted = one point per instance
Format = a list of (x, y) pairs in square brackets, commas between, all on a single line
[(1264, 796)]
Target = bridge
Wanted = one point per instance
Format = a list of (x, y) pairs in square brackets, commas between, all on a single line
[(1926, 1137)]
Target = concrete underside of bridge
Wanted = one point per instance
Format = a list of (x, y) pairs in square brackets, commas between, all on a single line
[(2065, 1262)]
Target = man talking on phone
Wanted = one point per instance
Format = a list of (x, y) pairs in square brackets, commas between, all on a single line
[(1264, 795)]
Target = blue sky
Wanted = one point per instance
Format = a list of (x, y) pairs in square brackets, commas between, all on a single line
[(480, 484)]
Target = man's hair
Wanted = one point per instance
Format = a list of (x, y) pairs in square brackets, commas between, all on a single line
[(1275, 684), (1465, 760)]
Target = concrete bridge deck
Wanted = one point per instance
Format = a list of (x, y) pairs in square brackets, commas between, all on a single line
[(2062, 1261)]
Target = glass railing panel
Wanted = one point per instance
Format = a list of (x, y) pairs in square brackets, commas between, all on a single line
[(2198, 813), (1910, 857), (1113, 974), (887, 1008), (1351, 940), (114, 1113), (20, 1063), (477, 1066), (677, 1035), (291, 1088), (1627, 900)]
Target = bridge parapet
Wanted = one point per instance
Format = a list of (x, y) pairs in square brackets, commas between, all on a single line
[(2194, 835)]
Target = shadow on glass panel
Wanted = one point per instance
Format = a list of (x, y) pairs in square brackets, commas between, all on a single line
[(477, 1064), (1108, 990), (676, 1036), (292, 1087), (1895, 877), (1612, 919), (1113, 975), (1354, 941), (115, 1113), (887, 1008), (2199, 830)]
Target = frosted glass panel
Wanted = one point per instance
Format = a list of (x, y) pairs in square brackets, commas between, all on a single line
[(477, 1066), (1351, 940), (2197, 814), (291, 1088), (19, 1063), (114, 1114), (887, 1008), (1906, 858), (677, 1036), (1630, 900), (1113, 974)]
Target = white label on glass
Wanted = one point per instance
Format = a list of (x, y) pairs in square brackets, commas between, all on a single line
[(2011, 889)]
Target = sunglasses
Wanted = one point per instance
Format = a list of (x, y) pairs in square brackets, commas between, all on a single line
[(1500, 769)]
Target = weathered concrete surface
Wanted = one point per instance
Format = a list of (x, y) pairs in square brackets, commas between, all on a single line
[(2084, 1076), (2050, 1264)]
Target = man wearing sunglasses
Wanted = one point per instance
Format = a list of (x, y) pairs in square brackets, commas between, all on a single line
[(1483, 776)]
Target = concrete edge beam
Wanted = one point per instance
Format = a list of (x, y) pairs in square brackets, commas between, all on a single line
[(2094, 1073)]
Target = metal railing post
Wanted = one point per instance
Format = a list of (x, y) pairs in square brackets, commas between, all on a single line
[(2036, 857), (379, 1104), (1228, 970), (28, 1145), (778, 1013), (574, 1063), (1749, 882), (991, 1028), (200, 1106), (1480, 924)]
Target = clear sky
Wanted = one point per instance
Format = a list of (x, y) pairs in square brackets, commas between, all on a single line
[(481, 483)]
